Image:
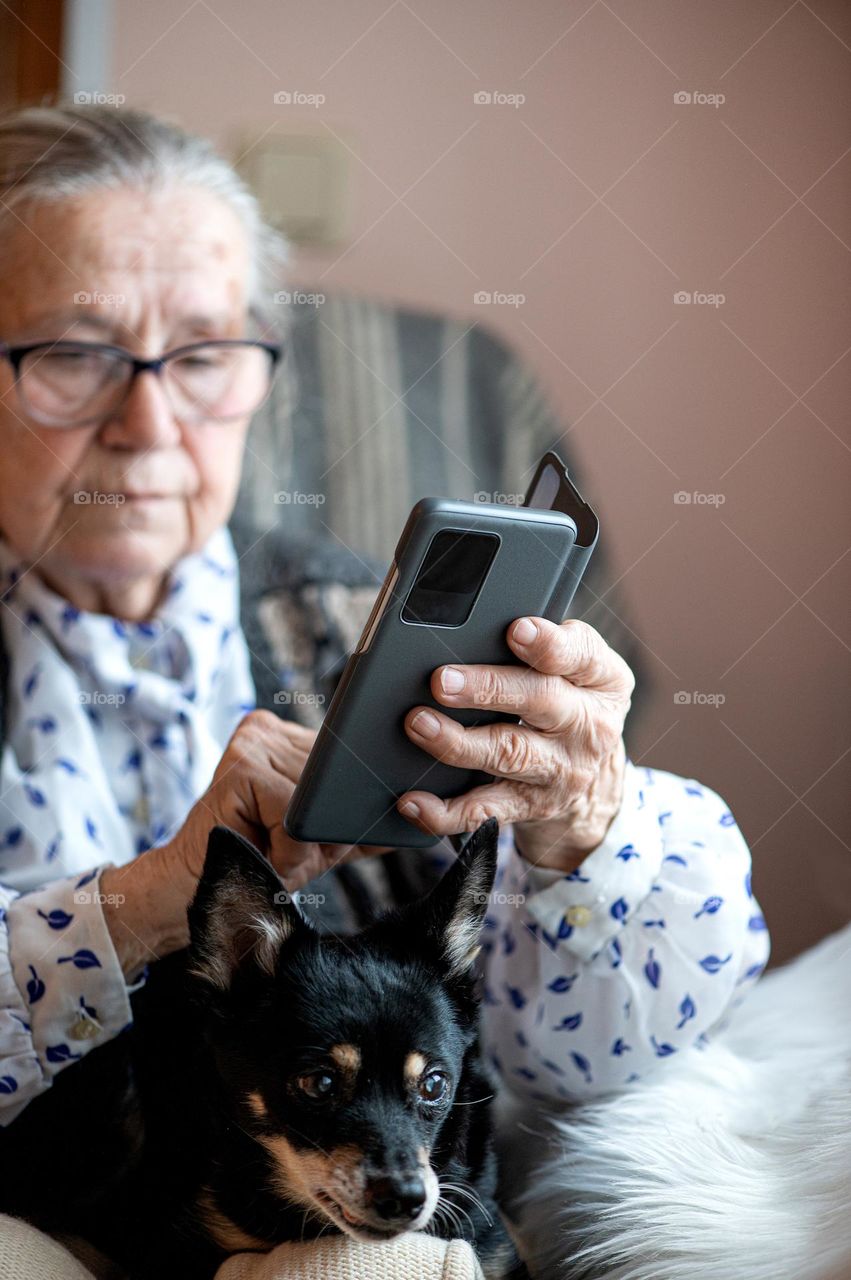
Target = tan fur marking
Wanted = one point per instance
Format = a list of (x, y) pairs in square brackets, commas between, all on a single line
[(347, 1058), (256, 1104), (298, 1174), (415, 1065), (220, 1228)]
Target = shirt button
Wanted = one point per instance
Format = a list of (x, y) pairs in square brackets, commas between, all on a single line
[(84, 1027), (578, 916)]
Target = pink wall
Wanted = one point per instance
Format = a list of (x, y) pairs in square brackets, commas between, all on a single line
[(747, 399)]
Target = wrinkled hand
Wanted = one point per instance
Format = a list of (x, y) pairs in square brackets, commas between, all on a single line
[(251, 789), (558, 775), (145, 901)]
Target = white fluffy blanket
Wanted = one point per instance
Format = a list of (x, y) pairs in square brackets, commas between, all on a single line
[(734, 1165)]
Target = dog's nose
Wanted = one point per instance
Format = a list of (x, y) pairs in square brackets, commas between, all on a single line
[(399, 1196)]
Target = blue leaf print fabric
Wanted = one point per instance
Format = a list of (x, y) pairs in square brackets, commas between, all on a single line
[(82, 959), (687, 1010), (35, 986), (710, 906), (664, 935), (95, 693), (78, 789), (652, 970), (570, 1023), (582, 1064), (595, 975)]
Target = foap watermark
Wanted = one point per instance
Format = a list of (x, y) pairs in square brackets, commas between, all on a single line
[(295, 498), (695, 298), (486, 298), (98, 299), (684, 498), (97, 698), (499, 498), (299, 298), (499, 699), (98, 99), (297, 98), (498, 899), (696, 98), (682, 698), (96, 498), (299, 899), (298, 698), (83, 897), (496, 98)]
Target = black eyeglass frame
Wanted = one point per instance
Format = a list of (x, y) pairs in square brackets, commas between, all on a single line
[(16, 355)]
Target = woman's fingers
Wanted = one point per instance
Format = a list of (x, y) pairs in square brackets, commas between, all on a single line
[(547, 702), (506, 801), (506, 750), (558, 663), (267, 756), (296, 862), (570, 649)]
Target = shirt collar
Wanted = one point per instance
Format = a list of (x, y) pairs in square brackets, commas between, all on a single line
[(181, 643)]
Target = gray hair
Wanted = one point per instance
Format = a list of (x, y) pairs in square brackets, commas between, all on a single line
[(55, 153)]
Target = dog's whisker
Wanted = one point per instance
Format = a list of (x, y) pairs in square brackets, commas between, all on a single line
[(451, 1213), (461, 1189), (469, 1219), (475, 1101), (443, 1215), (438, 1213), (459, 1209), (459, 1184)]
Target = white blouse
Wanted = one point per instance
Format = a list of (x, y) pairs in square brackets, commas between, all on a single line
[(592, 979)]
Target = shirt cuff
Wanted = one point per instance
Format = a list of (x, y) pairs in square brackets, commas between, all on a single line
[(587, 908), (67, 970)]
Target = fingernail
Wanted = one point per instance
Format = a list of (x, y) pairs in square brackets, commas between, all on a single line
[(452, 680), (426, 724), (525, 631), (410, 809)]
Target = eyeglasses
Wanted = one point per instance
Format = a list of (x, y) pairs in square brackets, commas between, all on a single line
[(75, 384)]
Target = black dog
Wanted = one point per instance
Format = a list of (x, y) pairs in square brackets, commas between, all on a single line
[(278, 1083)]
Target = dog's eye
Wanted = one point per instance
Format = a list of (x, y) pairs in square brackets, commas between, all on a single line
[(319, 1085), (433, 1087)]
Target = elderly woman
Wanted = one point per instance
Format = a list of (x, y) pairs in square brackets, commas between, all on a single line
[(133, 356)]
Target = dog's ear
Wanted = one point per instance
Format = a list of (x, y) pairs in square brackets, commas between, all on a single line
[(241, 912), (456, 907)]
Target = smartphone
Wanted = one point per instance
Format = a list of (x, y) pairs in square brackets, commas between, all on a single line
[(461, 573)]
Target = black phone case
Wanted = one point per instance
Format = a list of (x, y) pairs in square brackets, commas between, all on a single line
[(363, 760)]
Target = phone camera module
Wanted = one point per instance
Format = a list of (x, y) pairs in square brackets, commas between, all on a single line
[(450, 578)]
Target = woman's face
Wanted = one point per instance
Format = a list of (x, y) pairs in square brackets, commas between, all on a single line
[(148, 272)]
